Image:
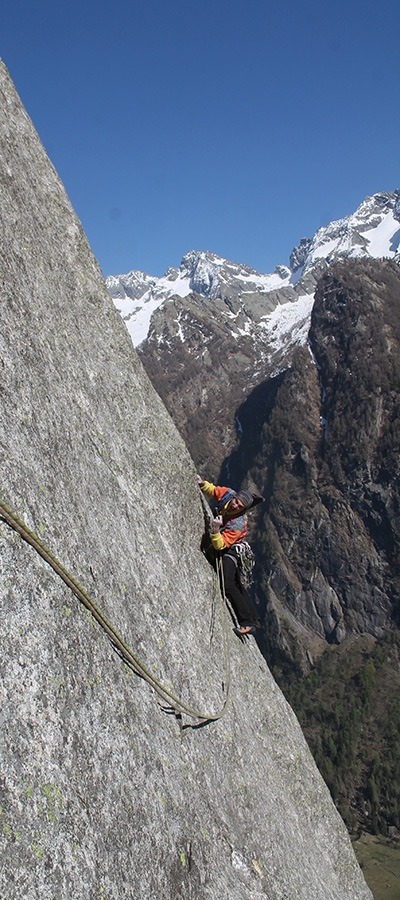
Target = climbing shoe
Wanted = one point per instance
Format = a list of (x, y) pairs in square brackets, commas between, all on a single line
[(245, 630)]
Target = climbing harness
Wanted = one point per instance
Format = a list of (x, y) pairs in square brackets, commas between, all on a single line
[(246, 562), (175, 703)]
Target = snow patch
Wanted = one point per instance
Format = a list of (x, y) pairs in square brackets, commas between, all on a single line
[(138, 322), (289, 322), (385, 238)]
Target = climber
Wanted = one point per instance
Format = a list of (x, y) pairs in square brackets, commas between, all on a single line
[(228, 532)]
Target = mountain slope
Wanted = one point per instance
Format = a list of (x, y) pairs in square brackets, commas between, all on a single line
[(212, 330), (103, 794), (330, 529), (326, 458)]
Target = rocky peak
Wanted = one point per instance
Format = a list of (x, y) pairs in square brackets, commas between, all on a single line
[(299, 254), (396, 208), (134, 285), (203, 270), (370, 232)]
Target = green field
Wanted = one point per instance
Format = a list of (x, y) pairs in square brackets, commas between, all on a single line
[(379, 859)]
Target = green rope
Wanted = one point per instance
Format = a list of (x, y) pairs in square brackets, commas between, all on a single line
[(128, 656)]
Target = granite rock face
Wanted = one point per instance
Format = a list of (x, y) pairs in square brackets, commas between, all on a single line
[(103, 793), (326, 459), (320, 441)]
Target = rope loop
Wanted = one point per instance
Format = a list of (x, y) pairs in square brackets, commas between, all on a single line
[(174, 702)]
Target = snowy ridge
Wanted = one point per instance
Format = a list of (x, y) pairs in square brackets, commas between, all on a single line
[(137, 295), (289, 323), (373, 230)]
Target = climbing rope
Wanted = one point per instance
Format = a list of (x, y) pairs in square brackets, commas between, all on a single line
[(175, 703)]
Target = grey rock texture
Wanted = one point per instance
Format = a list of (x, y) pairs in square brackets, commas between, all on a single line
[(103, 795), (299, 254), (326, 459)]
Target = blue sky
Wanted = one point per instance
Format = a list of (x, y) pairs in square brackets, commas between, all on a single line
[(237, 126)]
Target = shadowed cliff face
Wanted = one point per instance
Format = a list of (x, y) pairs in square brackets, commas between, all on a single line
[(326, 458), (102, 793)]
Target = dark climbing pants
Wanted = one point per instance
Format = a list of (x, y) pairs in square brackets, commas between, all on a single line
[(237, 594)]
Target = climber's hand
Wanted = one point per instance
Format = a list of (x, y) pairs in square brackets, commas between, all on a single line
[(216, 524)]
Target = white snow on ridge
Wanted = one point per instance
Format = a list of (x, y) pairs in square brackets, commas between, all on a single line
[(138, 312), (289, 322), (323, 250), (342, 237), (138, 322), (179, 285), (371, 231), (385, 238), (266, 283)]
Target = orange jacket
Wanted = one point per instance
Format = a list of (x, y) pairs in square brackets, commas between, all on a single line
[(232, 530)]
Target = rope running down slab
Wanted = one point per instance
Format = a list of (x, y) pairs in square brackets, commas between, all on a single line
[(178, 705)]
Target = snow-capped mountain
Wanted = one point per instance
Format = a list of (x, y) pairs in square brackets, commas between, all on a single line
[(212, 333), (373, 230), (137, 295), (248, 296)]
